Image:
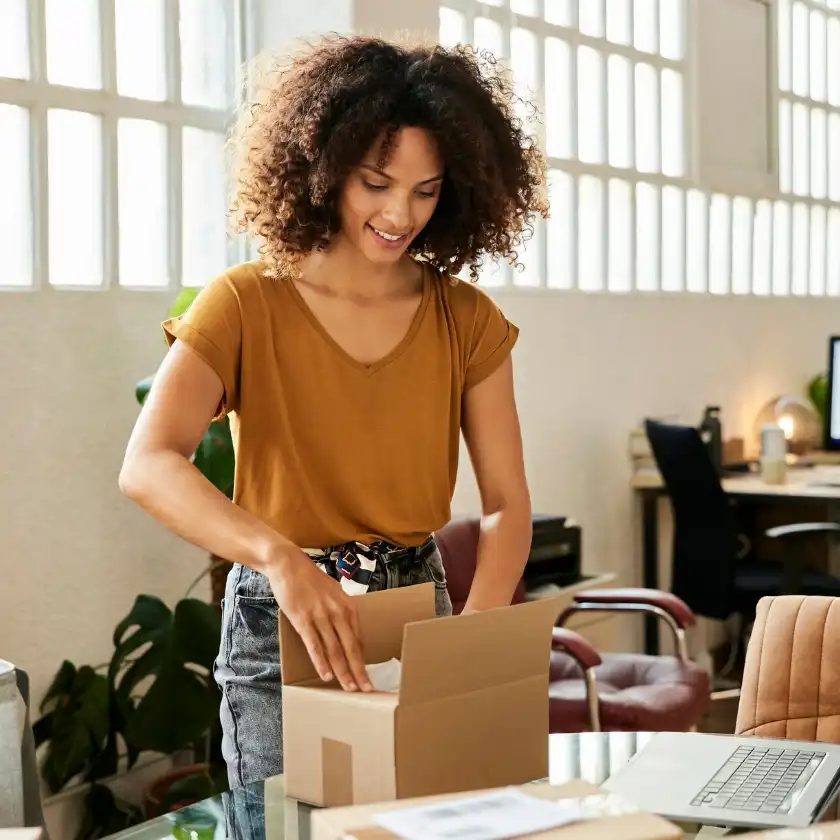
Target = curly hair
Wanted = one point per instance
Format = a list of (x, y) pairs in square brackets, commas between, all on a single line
[(317, 115)]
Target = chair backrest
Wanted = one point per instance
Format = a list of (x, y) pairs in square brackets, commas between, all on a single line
[(705, 527), (791, 684), (458, 545)]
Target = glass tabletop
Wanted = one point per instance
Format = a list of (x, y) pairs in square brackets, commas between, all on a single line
[(262, 811)]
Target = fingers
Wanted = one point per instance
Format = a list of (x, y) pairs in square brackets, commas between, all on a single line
[(335, 654), (315, 649), (347, 628)]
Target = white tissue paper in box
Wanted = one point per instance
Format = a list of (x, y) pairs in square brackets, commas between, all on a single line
[(385, 676)]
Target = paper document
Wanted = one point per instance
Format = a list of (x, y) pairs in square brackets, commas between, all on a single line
[(493, 816)]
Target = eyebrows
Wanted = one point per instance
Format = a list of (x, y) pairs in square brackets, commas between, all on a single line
[(376, 170)]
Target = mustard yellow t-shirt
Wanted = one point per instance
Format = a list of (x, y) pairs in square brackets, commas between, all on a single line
[(329, 450)]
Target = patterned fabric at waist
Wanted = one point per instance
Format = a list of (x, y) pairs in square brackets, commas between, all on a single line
[(353, 563)]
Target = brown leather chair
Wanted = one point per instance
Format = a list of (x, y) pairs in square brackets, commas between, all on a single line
[(791, 684), (616, 692)]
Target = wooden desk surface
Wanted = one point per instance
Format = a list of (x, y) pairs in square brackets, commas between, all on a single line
[(803, 483)]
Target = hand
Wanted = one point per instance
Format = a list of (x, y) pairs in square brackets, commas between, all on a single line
[(323, 614)]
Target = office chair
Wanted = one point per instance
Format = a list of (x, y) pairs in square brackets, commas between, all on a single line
[(714, 570)]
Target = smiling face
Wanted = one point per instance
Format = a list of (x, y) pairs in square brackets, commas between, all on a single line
[(383, 209)]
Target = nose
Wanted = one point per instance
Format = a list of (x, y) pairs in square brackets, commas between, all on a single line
[(397, 213)]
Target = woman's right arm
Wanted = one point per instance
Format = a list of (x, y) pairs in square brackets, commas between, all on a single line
[(158, 475)]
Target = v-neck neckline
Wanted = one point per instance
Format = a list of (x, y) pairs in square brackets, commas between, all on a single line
[(389, 357)]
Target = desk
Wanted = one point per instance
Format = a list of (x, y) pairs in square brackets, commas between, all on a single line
[(802, 487), (261, 811)]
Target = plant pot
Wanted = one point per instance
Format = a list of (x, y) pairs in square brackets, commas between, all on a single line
[(155, 795)]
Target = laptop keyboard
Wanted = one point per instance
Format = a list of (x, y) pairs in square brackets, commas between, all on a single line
[(760, 779)]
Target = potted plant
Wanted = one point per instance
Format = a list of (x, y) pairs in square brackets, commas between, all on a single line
[(156, 694), (214, 457)]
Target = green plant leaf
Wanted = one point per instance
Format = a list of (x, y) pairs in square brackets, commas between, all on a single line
[(215, 458), (188, 790), (142, 388), (106, 815), (183, 302), (182, 701)]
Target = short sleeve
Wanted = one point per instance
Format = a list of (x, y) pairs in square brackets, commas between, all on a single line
[(212, 327), (492, 339)]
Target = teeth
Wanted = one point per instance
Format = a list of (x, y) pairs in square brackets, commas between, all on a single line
[(389, 236)]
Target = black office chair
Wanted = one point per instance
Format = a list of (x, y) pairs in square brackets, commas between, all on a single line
[(714, 569)]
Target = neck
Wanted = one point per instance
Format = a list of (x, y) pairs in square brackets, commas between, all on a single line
[(343, 271)]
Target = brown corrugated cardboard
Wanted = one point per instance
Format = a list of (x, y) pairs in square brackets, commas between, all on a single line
[(612, 818), (819, 831), (471, 711)]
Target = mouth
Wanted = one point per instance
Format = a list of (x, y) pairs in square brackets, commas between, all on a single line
[(388, 240)]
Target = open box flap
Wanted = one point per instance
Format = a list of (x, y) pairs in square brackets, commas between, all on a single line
[(382, 616), (470, 652)]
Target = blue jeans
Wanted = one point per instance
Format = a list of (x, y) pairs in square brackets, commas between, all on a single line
[(247, 668)]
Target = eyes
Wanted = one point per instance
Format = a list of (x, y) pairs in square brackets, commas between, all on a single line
[(382, 187)]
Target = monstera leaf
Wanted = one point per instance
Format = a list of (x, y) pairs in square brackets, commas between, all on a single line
[(175, 652)]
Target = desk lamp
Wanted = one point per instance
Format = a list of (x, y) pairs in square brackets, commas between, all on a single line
[(797, 418)]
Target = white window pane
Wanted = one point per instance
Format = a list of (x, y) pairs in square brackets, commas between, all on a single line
[(453, 27), (647, 238), (673, 139), (531, 257), (620, 21), (742, 238), (560, 240), (620, 236), (493, 274), (591, 84), (142, 190), (781, 248), (818, 68), (799, 59), (141, 70), (673, 239), (696, 241), (647, 118), (816, 284), (525, 7), (801, 249), (590, 234), (14, 33), (720, 244), (834, 60), (559, 128), (784, 23), (762, 248), (785, 147), (488, 36), (645, 26), (672, 28), (73, 43), (207, 65), (819, 154), (834, 157), (559, 12), (620, 135), (205, 204), (591, 17), (523, 59), (16, 206), (801, 149), (74, 148), (832, 286)]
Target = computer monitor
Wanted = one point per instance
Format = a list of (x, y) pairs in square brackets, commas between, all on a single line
[(832, 407)]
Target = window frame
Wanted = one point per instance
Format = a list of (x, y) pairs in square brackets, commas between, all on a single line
[(38, 95)]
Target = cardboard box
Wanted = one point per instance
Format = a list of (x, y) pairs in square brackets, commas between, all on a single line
[(818, 831), (471, 711), (611, 817)]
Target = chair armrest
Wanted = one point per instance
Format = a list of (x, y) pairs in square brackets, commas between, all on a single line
[(576, 646), (618, 598), (801, 529)]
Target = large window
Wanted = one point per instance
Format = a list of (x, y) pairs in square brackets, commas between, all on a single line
[(611, 79), (112, 129)]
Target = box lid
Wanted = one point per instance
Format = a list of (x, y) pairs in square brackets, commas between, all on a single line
[(468, 653), (382, 617)]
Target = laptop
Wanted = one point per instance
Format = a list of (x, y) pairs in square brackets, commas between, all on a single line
[(730, 780)]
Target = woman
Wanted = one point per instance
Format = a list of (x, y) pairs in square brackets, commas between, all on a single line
[(349, 360)]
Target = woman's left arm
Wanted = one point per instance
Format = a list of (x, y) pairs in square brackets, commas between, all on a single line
[(491, 430)]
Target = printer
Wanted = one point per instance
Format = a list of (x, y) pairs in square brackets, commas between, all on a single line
[(555, 556)]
